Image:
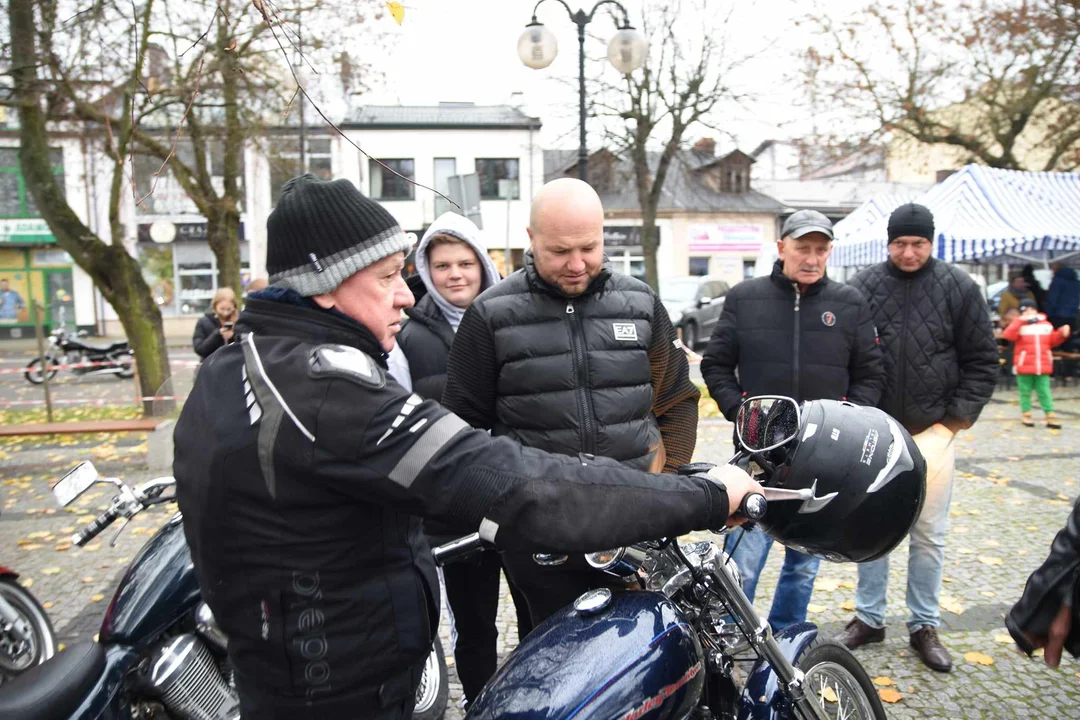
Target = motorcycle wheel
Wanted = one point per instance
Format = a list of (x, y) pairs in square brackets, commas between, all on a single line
[(42, 642), (829, 666), (433, 692), (33, 372), (129, 370)]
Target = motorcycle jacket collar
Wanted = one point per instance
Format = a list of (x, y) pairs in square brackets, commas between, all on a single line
[(264, 315), (539, 284)]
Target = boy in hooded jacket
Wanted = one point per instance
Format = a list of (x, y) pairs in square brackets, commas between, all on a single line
[(453, 264), (1034, 337)]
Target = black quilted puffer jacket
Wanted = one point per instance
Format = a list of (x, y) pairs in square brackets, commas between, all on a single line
[(941, 360)]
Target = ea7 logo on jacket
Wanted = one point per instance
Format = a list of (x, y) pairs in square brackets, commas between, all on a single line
[(627, 332)]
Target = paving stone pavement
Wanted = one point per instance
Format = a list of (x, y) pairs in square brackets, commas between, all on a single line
[(1014, 489)]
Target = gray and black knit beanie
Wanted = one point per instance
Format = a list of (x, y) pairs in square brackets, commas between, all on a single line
[(324, 231)]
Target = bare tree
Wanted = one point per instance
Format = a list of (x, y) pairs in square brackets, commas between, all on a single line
[(999, 80), (218, 75), (685, 81), (115, 272)]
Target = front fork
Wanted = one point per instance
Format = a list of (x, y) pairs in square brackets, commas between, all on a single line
[(13, 624), (777, 659)]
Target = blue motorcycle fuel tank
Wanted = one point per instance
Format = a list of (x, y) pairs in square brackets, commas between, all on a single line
[(158, 588), (634, 658)]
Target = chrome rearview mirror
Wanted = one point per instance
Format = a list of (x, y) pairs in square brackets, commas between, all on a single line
[(766, 422), (75, 483)]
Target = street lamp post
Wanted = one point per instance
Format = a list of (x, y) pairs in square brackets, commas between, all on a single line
[(538, 47)]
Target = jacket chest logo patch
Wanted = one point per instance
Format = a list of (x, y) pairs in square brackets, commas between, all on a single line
[(828, 319), (626, 332)]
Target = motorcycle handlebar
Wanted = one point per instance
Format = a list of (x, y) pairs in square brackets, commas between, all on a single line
[(95, 527), (456, 549)]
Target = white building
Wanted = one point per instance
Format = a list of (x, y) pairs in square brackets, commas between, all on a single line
[(164, 230)]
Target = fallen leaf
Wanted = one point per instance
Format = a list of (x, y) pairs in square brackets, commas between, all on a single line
[(30, 546), (814, 608), (88, 579), (60, 647), (988, 593), (26, 582), (1012, 459), (97, 598), (991, 543), (889, 695), (1004, 638), (829, 695), (847, 605), (47, 605), (960, 529), (965, 551), (1038, 652), (397, 10), (951, 605), (990, 560), (826, 584), (63, 546), (978, 658), (884, 681), (946, 580), (51, 571), (974, 512), (847, 584)]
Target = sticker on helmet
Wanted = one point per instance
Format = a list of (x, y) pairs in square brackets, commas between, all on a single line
[(869, 447), (835, 434)]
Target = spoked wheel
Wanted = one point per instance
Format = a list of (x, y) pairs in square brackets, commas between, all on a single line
[(17, 655), (33, 372), (839, 683), (434, 690)]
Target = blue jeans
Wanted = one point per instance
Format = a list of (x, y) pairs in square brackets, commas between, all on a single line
[(926, 553), (796, 582)]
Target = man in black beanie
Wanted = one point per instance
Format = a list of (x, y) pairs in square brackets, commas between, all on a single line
[(941, 363), (303, 472)]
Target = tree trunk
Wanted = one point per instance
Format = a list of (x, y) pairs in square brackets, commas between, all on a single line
[(223, 233), (650, 242), (116, 273)]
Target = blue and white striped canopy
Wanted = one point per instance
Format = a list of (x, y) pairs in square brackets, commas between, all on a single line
[(980, 214)]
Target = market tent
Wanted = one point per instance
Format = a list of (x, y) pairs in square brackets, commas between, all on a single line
[(981, 214)]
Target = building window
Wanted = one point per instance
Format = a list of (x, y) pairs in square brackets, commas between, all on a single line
[(699, 266), (285, 161), (628, 261), (749, 267), (15, 200), (385, 185), (491, 171)]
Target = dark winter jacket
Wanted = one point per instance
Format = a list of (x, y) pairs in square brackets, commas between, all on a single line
[(426, 339), (941, 360), (817, 344), (1054, 583), (302, 472), (600, 373), (207, 339), (1063, 297)]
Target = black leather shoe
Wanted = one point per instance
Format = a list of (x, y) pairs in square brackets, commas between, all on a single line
[(857, 633), (928, 645)]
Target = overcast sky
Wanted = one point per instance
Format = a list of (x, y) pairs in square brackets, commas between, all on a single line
[(466, 50)]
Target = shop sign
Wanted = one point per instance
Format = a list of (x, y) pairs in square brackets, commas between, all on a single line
[(164, 231), (622, 236), (734, 238), (31, 230)]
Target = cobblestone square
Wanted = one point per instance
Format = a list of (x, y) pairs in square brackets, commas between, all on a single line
[(1014, 489)]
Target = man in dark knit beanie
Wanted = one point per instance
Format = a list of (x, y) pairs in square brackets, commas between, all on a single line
[(304, 471), (941, 364)]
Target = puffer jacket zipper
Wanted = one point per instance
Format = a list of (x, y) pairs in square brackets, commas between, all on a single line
[(581, 373), (798, 323)]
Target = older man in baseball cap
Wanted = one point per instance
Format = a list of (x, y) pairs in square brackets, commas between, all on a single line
[(799, 334)]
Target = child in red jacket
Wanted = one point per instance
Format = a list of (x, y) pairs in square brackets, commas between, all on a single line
[(1033, 364)]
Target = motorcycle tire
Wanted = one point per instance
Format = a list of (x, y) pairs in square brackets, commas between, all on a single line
[(34, 376), (43, 642), (433, 693), (128, 372), (828, 664)]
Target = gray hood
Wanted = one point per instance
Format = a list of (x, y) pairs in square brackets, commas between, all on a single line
[(465, 230)]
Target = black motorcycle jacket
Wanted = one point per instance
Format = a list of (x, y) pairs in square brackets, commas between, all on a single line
[(303, 470), (1054, 583)]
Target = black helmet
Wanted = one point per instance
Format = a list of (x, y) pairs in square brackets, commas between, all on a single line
[(866, 474)]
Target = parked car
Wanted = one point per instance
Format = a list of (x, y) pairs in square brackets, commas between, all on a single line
[(694, 305)]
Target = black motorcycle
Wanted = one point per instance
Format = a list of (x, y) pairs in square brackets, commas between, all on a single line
[(68, 350)]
